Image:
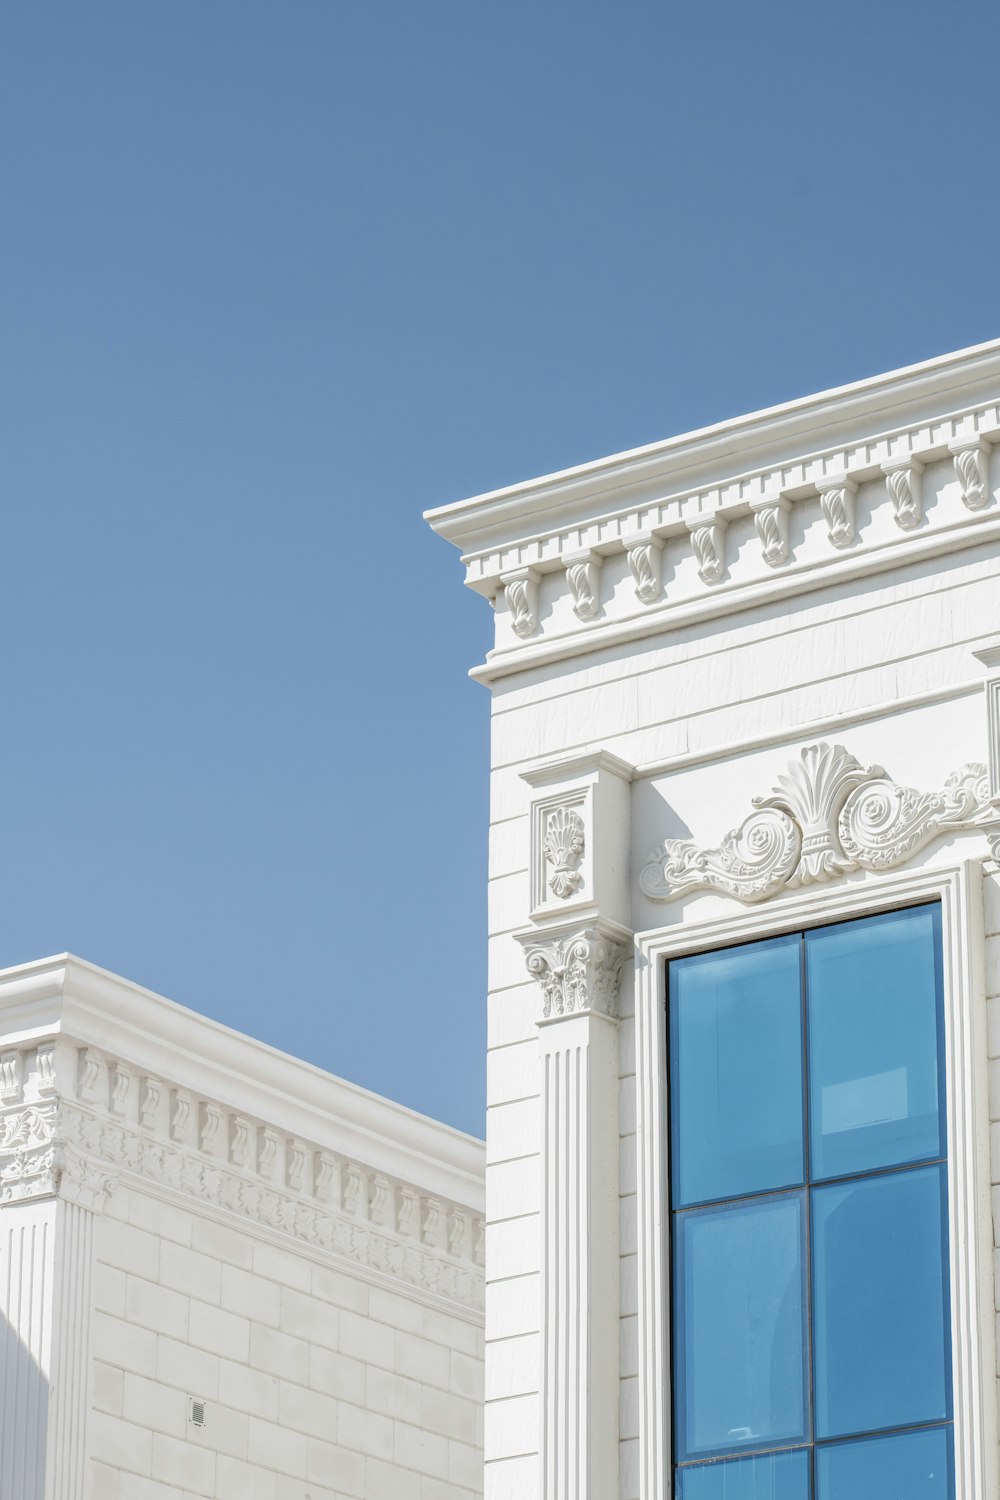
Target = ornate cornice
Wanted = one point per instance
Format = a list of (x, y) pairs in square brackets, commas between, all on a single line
[(826, 816), (110, 1123), (919, 444), (578, 973)]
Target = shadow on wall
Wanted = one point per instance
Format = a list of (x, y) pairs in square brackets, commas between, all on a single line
[(24, 1387)]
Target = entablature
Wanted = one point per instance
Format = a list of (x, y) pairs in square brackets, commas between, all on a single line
[(838, 486)]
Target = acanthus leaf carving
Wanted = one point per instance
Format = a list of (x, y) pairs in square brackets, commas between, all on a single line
[(904, 490), (120, 1075), (578, 973), (149, 1107), (836, 498), (706, 539), (645, 560), (53, 1146), (563, 847), (833, 815), (751, 862), (771, 521), (582, 574), (812, 791), (521, 592), (970, 466), (881, 824)]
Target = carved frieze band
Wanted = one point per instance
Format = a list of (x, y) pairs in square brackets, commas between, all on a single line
[(577, 973), (827, 815), (78, 1148)]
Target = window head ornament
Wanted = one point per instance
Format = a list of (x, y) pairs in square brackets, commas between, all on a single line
[(826, 816)]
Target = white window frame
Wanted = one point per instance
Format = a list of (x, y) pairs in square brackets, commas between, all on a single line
[(959, 888)]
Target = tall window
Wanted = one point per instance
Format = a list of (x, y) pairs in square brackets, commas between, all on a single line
[(811, 1345)]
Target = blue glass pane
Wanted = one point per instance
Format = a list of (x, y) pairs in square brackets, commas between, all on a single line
[(773, 1476), (736, 1071), (880, 1302), (874, 1006), (910, 1466), (738, 1340)]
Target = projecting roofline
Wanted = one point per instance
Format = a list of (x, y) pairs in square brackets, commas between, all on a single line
[(706, 455), (67, 997), (828, 489)]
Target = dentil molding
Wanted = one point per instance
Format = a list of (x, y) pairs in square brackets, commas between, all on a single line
[(109, 1122), (826, 815)]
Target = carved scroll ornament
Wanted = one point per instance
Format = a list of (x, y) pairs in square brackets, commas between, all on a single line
[(826, 816)]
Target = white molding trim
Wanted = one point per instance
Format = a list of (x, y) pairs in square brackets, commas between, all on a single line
[(959, 888), (78, 1144), (732, 596), (903, 407), (64, 996), (810, 729)]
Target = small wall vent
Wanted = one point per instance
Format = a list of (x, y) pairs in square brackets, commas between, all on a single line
[(196, 1412)]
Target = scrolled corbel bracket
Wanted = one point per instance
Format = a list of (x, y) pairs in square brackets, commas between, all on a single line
[(708, 541), (970, 457), (836, 498), (645, 560), (770, 517), (583, 573), (902, 477), (520, 589)]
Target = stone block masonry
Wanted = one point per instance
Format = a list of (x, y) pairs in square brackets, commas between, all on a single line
[(227, 1274)]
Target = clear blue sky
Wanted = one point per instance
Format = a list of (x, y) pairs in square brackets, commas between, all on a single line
[(276, 277)]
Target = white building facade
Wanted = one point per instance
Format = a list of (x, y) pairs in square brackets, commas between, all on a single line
[(223, 1273), (746, 700)]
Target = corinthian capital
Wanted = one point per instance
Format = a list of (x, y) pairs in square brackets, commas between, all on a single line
[(578, 972)]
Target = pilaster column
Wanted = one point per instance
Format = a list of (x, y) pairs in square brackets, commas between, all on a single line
[(50, 1194), (576, 949), (990, 658)]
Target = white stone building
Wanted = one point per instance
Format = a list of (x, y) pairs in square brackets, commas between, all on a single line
[(744, 1044), (223, 1272), (746, 690)]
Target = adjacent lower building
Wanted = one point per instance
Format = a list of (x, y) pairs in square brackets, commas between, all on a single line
[(743, 1138), (223, 1272)]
